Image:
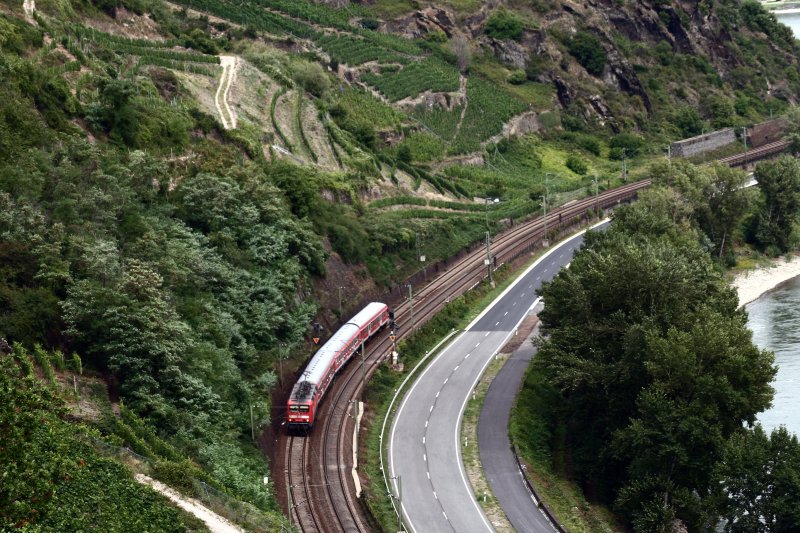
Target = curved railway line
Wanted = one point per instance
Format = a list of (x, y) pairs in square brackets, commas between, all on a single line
[(319, 467)]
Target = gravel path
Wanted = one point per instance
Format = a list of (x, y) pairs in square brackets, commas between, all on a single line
[(215, 523)]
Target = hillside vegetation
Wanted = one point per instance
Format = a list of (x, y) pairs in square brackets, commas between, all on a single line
[(180, 259)]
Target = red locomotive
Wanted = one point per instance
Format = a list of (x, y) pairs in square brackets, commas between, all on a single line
[(307, 393)]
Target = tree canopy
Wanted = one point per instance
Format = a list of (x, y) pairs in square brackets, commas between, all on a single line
[(655, 365)]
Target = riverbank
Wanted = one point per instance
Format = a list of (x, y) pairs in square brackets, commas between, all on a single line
[(751, 284)]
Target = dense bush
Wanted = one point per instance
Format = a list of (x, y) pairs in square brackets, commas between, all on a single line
[(589, 52), (504, 24), (576, 164)]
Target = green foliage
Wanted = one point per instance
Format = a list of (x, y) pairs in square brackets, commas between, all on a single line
[(422, 147), (630, 143), (517, 77), (655, 366), (688, 121), (350, 50), (720, 111), (489, 108), (353, 106), (758, 477), (577, 164), (713, 199), (589, 52), (312, 77), (504, 24), (438, 120), (137, 122), (430, 74), (272, 105), (52, 481), (775, 224)]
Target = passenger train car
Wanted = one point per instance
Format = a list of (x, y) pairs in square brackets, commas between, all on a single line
[(307, 393)]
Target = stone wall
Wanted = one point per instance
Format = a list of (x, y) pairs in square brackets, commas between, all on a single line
[(766, 132), (703, 143)]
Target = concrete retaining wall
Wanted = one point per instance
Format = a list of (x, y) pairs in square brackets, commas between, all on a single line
[(703, 143)]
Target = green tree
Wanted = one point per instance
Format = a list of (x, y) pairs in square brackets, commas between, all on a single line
[(655, 365), (589, 52), (504, 24), (779, 182), (759, 478), (716, 198)]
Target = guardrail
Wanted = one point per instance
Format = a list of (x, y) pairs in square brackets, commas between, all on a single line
[(536, 497)]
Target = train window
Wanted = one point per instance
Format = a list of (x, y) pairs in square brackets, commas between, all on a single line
[(294, 407), (298, 408), (304, 408)]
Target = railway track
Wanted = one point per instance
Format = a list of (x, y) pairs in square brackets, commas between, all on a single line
[(321, 487), (319, 466), (755, 154)]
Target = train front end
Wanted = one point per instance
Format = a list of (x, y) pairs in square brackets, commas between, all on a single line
[(300, 407)]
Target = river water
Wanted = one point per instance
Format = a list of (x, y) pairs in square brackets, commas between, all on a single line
[(792, 20), (774, 320)]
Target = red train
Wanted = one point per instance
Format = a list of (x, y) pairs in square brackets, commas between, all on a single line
[(307, 393)]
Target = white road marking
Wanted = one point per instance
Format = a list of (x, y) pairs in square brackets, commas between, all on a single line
[(437, 394), (431, 409), (497, 323), (445, 381), (434, 495), (456, 368), (506, 313), (429, 474), (423, 440), (487, 334), (426, 423), (425, 457), (445, 515)]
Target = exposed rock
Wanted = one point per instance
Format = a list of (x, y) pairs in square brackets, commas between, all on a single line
[(446, 101), (602, 111), (621, 73), (422, 22), (566, 95), (509, 52), (523, 124)]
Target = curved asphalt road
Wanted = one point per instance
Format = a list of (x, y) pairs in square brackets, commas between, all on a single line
[(424, 447), (499, 465)]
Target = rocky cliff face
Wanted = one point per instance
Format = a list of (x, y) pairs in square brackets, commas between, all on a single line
[(713, 47)]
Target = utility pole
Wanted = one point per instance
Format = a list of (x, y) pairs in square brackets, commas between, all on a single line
[(411, 300), (489, 257), (340, 301), (420, 257), (544, 205), (596, 196), (744, 139), (252, 423), (624, 167)]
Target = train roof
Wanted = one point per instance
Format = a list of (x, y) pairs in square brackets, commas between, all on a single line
[(365, 315), (319, 364)]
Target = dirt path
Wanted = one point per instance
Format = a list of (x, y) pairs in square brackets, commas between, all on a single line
[(462, 89), (215, 523), (29, 7), (229, 65)]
